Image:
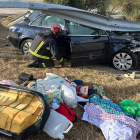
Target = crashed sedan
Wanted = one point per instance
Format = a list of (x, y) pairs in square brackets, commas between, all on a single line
[(87, 38)]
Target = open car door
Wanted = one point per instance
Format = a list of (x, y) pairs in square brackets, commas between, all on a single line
[(89, 45)]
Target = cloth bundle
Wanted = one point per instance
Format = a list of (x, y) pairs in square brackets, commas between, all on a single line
[(95, 114)]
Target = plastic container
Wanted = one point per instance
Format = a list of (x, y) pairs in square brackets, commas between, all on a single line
[(48, 95), (53, 93), (82, 91), (56, 125), (57, 94), (54, 103)]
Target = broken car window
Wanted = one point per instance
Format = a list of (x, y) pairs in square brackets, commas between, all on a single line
[(36, 22), (78, 29), (48, 21)]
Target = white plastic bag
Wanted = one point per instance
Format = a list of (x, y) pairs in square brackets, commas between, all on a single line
[(50, 76), (68, 96), (50, 80), (53, 83)]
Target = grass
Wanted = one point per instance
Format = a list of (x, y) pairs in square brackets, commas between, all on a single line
[(12, 63)]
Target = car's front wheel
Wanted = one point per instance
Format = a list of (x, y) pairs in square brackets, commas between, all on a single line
[(124, 60), (25, 46)]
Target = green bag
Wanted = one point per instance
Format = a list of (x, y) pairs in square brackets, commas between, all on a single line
[(130, 107)]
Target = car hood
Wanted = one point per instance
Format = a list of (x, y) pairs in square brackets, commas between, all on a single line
[(129, 40), (126, 35)]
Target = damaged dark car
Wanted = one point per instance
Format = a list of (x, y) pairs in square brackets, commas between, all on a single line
[(84, 42)]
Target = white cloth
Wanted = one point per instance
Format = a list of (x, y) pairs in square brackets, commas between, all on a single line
[(91, 120), (111, 129)]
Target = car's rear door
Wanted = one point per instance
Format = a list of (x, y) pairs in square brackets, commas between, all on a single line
[(36, 24), (46, 23), (89, 45)]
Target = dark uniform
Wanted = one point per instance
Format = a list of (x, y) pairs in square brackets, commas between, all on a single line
[(43, 48)]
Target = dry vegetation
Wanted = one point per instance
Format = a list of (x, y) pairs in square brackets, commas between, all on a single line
[(12, 63)]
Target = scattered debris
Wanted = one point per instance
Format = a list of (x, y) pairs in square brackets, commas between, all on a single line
[(131, 71), (118, 78), (130, 75), (61, 95), (137, 94)]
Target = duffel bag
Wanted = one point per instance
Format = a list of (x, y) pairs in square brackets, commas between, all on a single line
[(67, 112)]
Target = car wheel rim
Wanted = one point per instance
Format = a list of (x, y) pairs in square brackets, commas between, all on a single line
[(122, 61), (26, 48)]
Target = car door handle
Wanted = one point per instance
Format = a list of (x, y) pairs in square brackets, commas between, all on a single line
[(77, 43)]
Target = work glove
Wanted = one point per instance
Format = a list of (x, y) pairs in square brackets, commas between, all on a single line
[(57, 63)]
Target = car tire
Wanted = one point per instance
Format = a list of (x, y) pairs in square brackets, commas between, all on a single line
[(124, 60), (25, 46)]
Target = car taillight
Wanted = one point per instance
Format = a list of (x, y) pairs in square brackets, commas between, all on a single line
[(9, 28)]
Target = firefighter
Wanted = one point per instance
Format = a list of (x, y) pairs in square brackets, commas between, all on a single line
[(44, 49)]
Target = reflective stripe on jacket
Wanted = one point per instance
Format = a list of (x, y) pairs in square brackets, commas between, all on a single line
[(44, 47)]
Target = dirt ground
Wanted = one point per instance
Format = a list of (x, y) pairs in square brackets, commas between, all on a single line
[(12, 63)]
